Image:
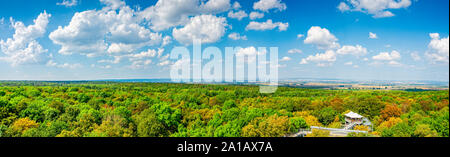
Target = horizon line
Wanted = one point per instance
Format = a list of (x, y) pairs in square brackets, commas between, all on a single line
[(285, 79)]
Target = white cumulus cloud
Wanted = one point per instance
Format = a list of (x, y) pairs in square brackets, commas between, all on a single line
[(140, 64), (256, 15), (285, 59), (145, 54), (372, 35), (322, 38), (239, 15), (376, 8), (343, 7), (357, 50), (116, 60), (236, 5), (114, 29), (250, 52), (322, 59), (386, 56), (438, 49), (23, 48), (169, 13), (237, 36), (207, 28), (268, 25), (266, 5), (166, 41), (295, 51), (68, 3)]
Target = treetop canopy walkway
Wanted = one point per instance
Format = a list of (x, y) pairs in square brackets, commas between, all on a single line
[(333, 131)]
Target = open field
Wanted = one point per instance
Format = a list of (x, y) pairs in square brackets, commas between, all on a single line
[(367, 85)]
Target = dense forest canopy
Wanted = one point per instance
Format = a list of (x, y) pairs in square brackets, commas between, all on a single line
[(109, 109)]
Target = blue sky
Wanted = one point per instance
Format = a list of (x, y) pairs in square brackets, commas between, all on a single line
[(111, 39)]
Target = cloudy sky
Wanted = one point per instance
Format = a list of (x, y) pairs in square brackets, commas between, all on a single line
[(109, 39)]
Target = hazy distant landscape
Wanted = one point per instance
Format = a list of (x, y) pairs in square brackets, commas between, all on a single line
[(298, 83), (368, 85)]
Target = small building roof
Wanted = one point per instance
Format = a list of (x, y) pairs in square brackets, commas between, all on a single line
[(352, 114)]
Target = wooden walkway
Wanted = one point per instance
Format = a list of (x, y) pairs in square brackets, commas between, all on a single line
[(333, 131), (302, 133)]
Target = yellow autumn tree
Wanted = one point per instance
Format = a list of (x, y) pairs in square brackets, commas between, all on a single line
[(391, 122), (423, 130), (250, 130), (310, 119), (361, 127), (335, 125), (318, 133), (272, 126), (113, 126), (21, 125)]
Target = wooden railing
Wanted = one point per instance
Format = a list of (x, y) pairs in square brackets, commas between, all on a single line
[(337, 130)]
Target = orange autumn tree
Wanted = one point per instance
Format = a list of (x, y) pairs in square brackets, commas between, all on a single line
[(337, 104), (442, 104), (390, 111)]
